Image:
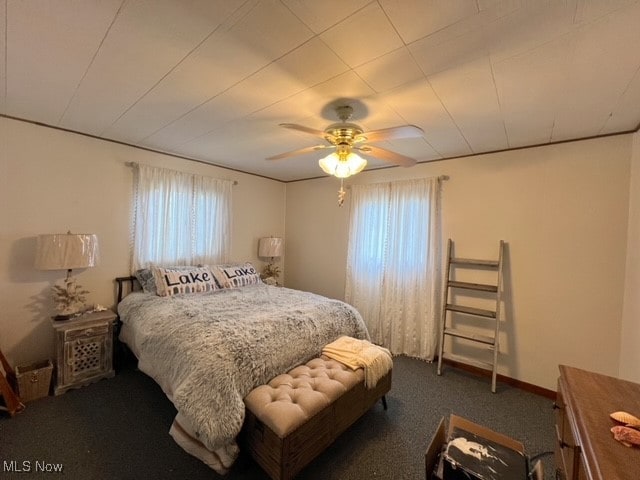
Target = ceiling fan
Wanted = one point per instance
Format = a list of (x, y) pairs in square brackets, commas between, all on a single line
[(348, 138)]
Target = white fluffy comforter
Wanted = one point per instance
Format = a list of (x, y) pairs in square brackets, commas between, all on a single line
[(208, 351)]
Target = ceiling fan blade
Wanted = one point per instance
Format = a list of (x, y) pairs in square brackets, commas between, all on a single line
[(387, 155), (393, 133), (302, 128), (300, 151)]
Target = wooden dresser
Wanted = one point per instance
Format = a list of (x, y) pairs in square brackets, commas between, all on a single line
[(586, 449)]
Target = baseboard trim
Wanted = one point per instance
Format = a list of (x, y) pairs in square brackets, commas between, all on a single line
[(529, 387)]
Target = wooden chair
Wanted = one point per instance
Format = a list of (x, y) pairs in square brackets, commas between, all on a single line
[(12, 402)]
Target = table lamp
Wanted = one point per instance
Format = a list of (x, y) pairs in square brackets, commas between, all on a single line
[(271, 248), (66, 251)]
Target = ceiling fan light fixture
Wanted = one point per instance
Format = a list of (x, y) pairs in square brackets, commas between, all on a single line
[(342, 166)]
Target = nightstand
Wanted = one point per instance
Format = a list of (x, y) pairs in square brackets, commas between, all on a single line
[(84, 349)]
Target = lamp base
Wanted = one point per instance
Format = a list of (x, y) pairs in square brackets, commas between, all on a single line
[(69, 300)]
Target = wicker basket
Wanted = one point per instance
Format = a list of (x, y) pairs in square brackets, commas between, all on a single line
[(34, 380)]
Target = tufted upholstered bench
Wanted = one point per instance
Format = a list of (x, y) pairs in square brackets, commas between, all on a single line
[(294, 417)]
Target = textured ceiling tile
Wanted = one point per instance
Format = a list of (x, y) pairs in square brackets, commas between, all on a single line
[(311, 64), (202, 77), (588, 10), (226, 57), (147, 40), (250, 39), (312, 107), (529, 27), (602, 63), (49, 47), (378, 114), (417, 148), (224, 144), (469, 94), (263, 89), (624, 115), (419, 105), (433, 57), (530, 87), (390, 70), (192, 83), (270, 30), (319, 16), (485, 4), (347, 85), (229, 143), (479, 21), (266, 87), (363, 36), (502, 31), (415, 19), (212, 114), (303, 106)]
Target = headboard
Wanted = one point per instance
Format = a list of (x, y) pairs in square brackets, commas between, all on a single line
[(126, 285)]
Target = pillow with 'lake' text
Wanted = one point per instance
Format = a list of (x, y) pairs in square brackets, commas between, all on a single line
[(174, 281), (239, 275)]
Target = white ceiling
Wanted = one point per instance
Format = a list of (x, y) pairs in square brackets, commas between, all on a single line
[(212, 79)]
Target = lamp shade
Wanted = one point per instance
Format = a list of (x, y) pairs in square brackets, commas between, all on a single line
[(270, 247), (65, 251)]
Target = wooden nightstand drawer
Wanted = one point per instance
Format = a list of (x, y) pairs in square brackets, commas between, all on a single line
[(87, 332)]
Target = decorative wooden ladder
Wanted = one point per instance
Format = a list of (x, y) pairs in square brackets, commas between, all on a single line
[(12, 403), (490, 340)]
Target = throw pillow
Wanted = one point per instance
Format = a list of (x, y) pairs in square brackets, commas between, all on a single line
[(147, 280), (173, 281), (238, 275)]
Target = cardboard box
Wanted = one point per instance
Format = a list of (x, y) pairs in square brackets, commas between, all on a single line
[(467, 451)]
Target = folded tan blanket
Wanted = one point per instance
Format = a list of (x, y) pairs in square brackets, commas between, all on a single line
[(376, 361)]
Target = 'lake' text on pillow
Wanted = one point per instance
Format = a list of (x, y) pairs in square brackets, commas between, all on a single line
[(172, 281)]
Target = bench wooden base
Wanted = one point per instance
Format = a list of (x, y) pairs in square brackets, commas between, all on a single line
[(283, 458)]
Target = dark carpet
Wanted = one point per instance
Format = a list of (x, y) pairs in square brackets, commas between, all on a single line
[(118, 429)]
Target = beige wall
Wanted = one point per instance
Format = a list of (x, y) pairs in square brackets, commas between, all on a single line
[(52, 181), (630, 340), (562, 209)]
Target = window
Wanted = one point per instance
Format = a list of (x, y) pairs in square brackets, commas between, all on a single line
[(392, 263), (180, 218)]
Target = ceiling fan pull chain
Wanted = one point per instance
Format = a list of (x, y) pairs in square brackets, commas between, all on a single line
[(341, 193)]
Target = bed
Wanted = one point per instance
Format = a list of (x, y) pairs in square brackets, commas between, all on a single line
[(208, 350)]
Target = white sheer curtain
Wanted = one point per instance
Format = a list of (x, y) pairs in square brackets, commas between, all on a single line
[(180, 218), (393, 263)]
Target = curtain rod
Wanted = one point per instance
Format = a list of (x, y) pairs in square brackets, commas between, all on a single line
[(442, 178), (136, 164)]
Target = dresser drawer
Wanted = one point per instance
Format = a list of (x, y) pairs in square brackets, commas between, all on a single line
[(586, 450), (569, 463)]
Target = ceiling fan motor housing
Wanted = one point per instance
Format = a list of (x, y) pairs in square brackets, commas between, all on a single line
[(343, 133)]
